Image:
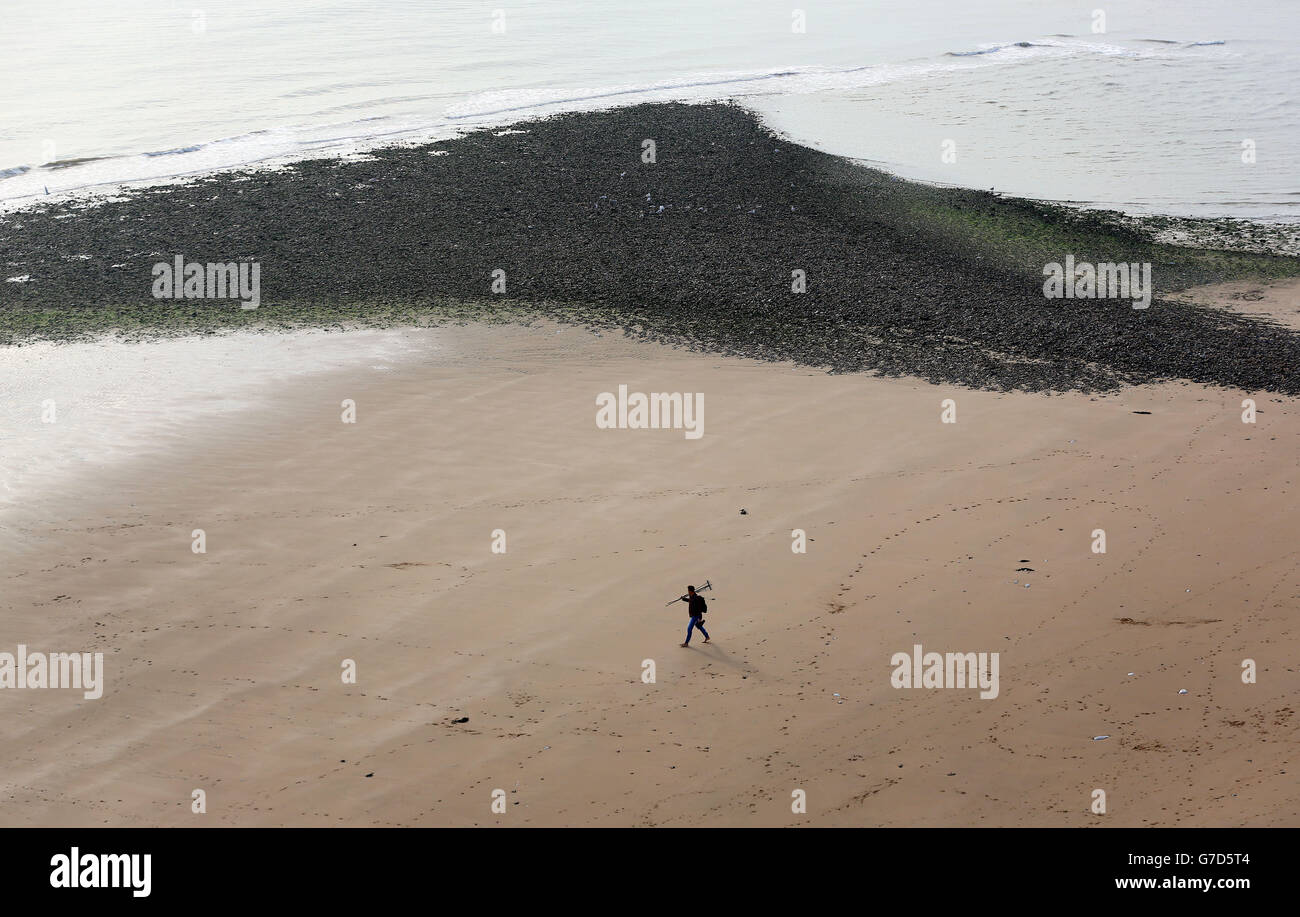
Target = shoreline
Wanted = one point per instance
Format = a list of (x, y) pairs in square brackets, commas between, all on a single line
[(165, 391), (87, 411), (901, 279)]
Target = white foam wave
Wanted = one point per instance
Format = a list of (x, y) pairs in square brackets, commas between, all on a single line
[(23, 185)]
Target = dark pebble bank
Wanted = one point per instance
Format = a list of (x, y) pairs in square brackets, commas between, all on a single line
[(902, 278)]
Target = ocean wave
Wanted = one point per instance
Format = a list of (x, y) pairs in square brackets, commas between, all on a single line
[(1179, 41), (71, 163), (548, 99), (990, 50), (24, 183), (712, 86), (1069, 46), (178, 151)]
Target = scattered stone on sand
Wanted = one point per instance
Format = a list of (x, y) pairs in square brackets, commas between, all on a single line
[(902, 279)]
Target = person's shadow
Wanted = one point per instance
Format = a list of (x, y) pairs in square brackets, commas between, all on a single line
[(721, 656)]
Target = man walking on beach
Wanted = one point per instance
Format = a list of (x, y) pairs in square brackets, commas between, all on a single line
[(696, 609)]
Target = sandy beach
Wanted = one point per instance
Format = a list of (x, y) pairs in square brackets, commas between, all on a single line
[(372, 542)]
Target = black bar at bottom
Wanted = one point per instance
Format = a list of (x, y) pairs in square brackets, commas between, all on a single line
[(332, 867)]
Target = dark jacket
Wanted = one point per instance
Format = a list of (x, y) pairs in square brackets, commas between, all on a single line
[(698, 606)]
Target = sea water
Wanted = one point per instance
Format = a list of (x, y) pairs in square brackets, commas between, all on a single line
[(1170, 106)]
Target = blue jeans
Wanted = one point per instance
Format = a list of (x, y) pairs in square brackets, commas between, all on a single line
[(696, 622)]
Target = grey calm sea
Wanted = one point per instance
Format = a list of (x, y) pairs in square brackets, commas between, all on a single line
[(1170, 106)]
